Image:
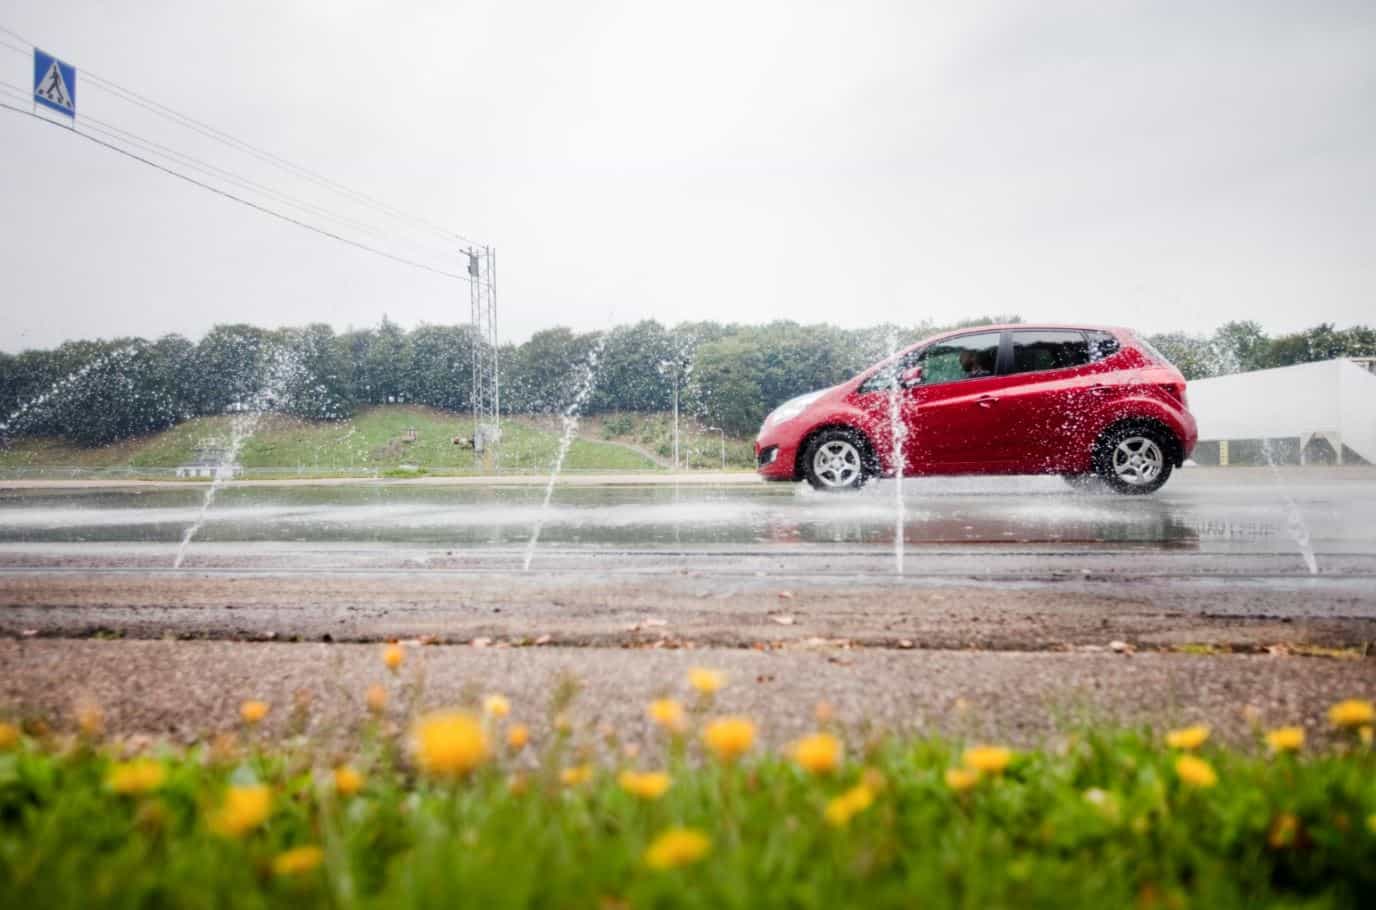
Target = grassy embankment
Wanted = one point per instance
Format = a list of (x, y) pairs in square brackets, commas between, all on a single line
[(467, 808), (375, 440)]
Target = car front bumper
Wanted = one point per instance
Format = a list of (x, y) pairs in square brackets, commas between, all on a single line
[(774, 459)]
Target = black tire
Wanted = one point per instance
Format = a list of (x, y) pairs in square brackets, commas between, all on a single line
[(1134, 459), (837, 460)]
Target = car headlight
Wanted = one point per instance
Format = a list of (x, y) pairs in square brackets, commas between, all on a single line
[(792, 408)]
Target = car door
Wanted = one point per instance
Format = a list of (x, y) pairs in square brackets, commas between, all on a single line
[(953, 427), (1055, 388)]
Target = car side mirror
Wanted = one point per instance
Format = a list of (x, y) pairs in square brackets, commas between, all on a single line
[(910, 377)]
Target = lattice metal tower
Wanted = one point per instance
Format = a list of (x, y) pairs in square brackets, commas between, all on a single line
[(487, 395)]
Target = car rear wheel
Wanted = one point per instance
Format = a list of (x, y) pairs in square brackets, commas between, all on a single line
[(835, 460), (1133, 460)]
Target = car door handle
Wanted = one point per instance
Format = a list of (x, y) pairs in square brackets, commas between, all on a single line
[(1099, 389), (986, 401)]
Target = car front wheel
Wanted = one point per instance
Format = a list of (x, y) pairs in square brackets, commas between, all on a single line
[(1133, 460), (835, 460)]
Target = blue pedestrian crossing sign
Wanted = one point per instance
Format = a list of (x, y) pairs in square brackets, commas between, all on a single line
[(54, 83)]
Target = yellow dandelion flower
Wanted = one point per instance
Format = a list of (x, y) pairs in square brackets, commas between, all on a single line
[(392, 656), (517, 737), (1366, 734), (253, 712), (841, 809), (347, 780), (668, 714), (706, 681), (961, 779), (1285, 739), (9, 736), (496, 706), (297, 861), (90, 720), (1354, 712), (1187, 738), (142, 775), (729, 737), (244, 809), (646, 784), (819, 753), (1284, 828), (449, 744), (377, 699), (987, 759), (576, 776), (1195, 772), (676, 848)]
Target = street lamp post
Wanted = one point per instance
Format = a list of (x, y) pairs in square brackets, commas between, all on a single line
[(723, 444), (670, 368)]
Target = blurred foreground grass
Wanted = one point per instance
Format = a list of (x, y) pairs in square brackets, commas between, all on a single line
[(466, 808)]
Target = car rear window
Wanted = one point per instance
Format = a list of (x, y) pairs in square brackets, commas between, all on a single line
[(1049, 350)]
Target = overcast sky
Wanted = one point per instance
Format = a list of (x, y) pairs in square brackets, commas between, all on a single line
[(1157, 164)]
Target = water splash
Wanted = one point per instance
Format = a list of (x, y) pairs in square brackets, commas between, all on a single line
[(1294, 519), (570, 417), (241, 428), (283, 373), (898, 430)]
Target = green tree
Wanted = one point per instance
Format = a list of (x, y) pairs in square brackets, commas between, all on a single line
[(727, 374)]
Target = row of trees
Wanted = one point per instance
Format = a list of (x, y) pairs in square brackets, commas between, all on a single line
[(94, 393), (1237, 347)]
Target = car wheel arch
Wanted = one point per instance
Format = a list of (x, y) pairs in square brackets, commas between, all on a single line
[(1176, 452)]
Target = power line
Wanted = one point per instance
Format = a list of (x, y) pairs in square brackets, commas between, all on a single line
[(194, 163), (228, 195), (149, 146), (162, 110)]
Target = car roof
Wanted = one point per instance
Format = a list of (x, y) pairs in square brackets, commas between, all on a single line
[(1028, 326)]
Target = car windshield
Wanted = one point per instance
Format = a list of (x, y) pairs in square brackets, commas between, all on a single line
[(885, 377)]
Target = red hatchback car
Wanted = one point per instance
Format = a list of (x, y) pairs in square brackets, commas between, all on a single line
[(1083, 402)]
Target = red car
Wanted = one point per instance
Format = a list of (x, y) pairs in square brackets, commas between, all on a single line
[(1079, 401)]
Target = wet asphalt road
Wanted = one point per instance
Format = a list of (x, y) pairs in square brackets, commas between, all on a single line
[(1219, 560)]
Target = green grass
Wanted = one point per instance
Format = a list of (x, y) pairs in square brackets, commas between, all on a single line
[(373, 440), (1103, 821), (700, 449)]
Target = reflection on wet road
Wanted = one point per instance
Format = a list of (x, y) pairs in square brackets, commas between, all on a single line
[(1201, 511)]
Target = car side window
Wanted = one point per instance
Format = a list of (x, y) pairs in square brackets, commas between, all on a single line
[(1049, 350), (1101, 345), (963, 357)]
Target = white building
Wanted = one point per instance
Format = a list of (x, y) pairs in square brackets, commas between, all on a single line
[(1333, 400)]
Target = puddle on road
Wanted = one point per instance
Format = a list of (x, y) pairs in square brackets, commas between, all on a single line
[(970, 511)]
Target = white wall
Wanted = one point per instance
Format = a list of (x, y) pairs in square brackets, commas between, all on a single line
[(1288, 401), (1333, 396)]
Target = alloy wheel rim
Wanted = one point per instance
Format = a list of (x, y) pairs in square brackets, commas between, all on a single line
[(837, 463), (1138, 460)]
